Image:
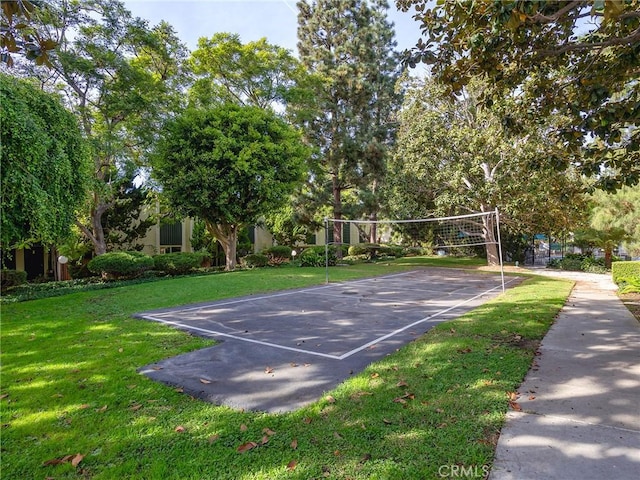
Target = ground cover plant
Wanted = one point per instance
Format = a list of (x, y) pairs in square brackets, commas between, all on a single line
[(73, 405)]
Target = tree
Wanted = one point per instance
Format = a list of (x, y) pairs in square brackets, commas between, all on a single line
[(256, 73), (455, 156), (614, 220), (228, 165), (121, 78), (579, 58), (349, 44), (45, 164)]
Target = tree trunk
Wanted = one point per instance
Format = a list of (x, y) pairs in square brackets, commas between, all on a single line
[(227, 237), (373, 234), (488, 224), (337, 214), (96, 232), (608, 256)]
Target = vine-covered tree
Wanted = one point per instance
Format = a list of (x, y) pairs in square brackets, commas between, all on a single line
[(579, 58), (228, 165), (121, 78), (45, 165), (349, 45)]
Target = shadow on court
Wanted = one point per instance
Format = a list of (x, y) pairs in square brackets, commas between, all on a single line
[(281, 351)]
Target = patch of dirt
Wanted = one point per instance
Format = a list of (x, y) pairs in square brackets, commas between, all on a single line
[(632, 302)]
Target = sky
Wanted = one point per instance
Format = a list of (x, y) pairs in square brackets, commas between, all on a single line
[(251, 19)]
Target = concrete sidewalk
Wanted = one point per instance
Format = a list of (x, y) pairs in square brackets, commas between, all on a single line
[(580, 402)]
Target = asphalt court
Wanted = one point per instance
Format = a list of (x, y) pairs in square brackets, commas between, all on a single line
[(281, 350)]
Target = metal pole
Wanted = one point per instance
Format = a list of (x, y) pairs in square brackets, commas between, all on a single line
[(326, 249), (500, 248)]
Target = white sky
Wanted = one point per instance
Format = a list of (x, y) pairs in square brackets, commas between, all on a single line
[(251, 19)]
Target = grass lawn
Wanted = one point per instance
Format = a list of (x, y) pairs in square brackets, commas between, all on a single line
[(73, 405)]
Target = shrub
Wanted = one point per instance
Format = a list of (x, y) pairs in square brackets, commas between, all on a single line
[(178, 263), (315, 256), (571, 264), (255, 260), (625, 270), (12, 278), (121, 264), (278, 254)]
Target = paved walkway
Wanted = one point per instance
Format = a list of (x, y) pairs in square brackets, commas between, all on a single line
[(580, 415)]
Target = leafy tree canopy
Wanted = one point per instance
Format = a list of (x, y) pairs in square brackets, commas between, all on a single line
[(577, 57), (20, 34), (44, 164), (228, 165), (256, 73)]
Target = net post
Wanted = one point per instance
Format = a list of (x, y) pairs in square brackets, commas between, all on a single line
[(326, 250), (500, 248)]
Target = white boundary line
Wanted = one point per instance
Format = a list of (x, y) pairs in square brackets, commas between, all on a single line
[(319, 354), (274, 295)]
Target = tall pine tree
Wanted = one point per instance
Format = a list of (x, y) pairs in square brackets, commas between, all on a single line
[(350, 45)]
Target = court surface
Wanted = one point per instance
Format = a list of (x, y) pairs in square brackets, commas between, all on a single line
[(280, 351)]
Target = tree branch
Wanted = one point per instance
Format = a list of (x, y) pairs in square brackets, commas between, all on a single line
[(569, 47)]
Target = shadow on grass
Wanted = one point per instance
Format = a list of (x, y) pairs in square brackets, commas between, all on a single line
[(72, 387)]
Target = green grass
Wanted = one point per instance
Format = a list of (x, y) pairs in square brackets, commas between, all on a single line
[(69, 386)]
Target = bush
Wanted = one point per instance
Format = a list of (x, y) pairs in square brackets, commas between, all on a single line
[(571, 264), (255, 260), (628, 271), (12, 278), (315, 256), (278, 254), (178, 263), (121, 264)]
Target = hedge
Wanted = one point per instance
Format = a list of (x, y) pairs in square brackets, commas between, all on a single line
[(625, 271), (178, 263), (12, 278), (121, 264), (255, 260)]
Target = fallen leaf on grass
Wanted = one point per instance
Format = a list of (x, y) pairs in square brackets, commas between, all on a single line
[(292, 465), (73, 459), (294, 443), (402, 384), (265, 439), (375, 375), (245, 447), (268, 431), (3, 396), (243, 428), (136, 407), (179, 429), (365, 458), (307, 420), (513, 396), (102, 409), (330, 399), (403, 398), (213, 438), (388, 422), (179, 390)]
